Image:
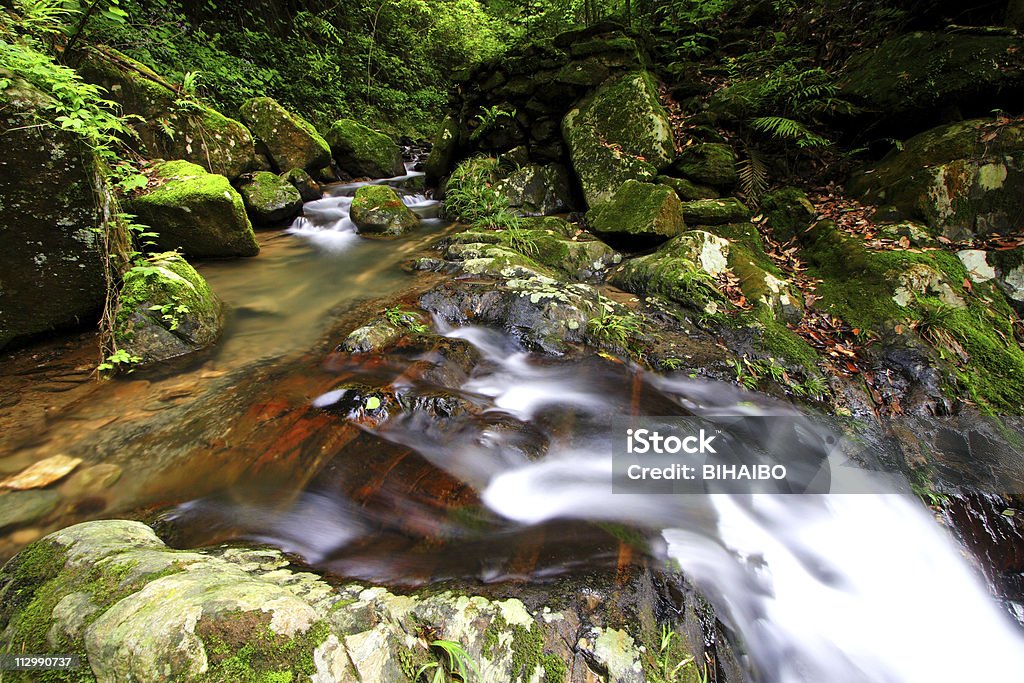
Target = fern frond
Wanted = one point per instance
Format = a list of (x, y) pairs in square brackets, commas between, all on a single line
[(753, 175), (782, 128)]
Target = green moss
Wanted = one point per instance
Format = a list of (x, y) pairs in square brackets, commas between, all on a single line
[(788, 212), (291, 140), (378, 209), (639, 209), (361, 151), (242, 648), (710, 163), (554, 667), (714, 211), (686, 190)]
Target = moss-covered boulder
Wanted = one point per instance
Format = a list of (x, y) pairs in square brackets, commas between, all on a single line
[(618, 133), (51, 268), (291, 140), (683, 270), (535, 190), (270, 199), (443, 151), (165, 310), (715, 211), (195, 212), (709, 163), (1009, 268), (378, 210), (173, 126), (640, 210), (962, 179), (788, 212), (308, 188), (364, 153), (923, 72), (686, 190)]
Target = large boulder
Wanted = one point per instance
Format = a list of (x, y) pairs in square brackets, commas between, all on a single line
[(715, 211), (363, 152), (709, 163), (174, 126), (270, 199), (51, 268), (195, 212), (442, 153), (165, 310), (639, 210), (963, 179), (291, 140), (618, 133), (308, 188), (378, 210), (535, 190), (684, 270)]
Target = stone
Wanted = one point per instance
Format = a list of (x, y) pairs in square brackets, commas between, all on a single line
[(686, 190), (535, 190), (24, 507), (363, 152), (292, 142), (442, 153), (715, 211), (378, 210), (269, 199), (42, 473), (195, 212), (683, 270), (309, 189), (620, 132), (709, 163), (641, 210), (788, 212), (976, 263), (166, 310)]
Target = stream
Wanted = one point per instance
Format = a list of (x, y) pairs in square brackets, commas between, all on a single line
[(487, 463)]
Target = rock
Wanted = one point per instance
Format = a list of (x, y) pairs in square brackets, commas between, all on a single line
[(618, 133), (641, 210), (195, 212), (292, 142), (908, 232), (715, 211), (976, 263), (269, 199), (442, 154), (51, 269), (42, 473), (173, 128), (378, 210), (1009, 267), (24, 507), (934, 71), (166, 310), (681, 270), (788, 212), (362, 152), (709, 163), (535, 190), (965, 179), (688, 191), (308, 188)]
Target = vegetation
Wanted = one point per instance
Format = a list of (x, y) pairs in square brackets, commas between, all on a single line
[(455, 664)]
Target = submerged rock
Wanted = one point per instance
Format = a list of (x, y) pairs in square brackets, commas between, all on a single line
[(363, 152), (378, 210), (165, 310), (308, 188), (640, 210), (51, 269), (193, 211), (269, 199), (292, 142), (620, 132), (535, 190)]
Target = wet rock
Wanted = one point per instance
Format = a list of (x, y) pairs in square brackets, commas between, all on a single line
[(788, 212), (686, 190), (24, 507), (710, 163), (166, 310), (193, 211), (378, 210), (618, 133), (640, 210), (269, 199), (308, 188), (292, 142), (42, 473), (50, 252), (197, 133), (363, 152), (535, 190), (442, 154), (715, 211)]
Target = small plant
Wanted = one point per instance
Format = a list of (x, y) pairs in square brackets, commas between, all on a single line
[(672, 670), (403, 319), (489, 118), (614, 329), (118, 361), (171, 313), (455, 664), (747, 380), (519, 239)]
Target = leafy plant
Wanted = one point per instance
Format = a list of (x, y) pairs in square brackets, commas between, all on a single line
[(489, 118), (403, 319), (617, 330), (471, 197), (753, 174), (671, 669), (118, 361), (455, 664)]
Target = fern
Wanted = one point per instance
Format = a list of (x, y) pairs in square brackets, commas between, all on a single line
[(787, 129), (753, 175)]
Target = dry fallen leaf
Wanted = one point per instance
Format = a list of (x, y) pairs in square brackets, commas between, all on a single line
[(43, 473)]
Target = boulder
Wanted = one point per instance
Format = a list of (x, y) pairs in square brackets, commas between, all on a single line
[(165, 310), (51, 265), (291, 141), (709, 163), (308, 188), (378, 210), (535, 190), (618, 133), (269, 199), (715, 211), (174, 127), (686, 190), (639, 210), (195, 212), (362, 152), (442, 154), (964, 179), (1009, 269), (683, 270), (788, 212)]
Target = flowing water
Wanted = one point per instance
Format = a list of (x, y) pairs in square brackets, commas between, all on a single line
[(505, 458)]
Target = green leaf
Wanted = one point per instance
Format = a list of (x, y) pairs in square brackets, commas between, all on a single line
[(372, 403)]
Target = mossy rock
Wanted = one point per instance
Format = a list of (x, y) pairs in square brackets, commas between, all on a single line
[(363, 152), (443, 151), (639, 209), (51, 265), (195, 212), (291, 140), (964, 179), (378, 210), (715, 211), (686, 190), (535, 190), (788, 212), (165, 310), (618, 133), (709, 163), (269, 199), (173, 128), (308, 188)]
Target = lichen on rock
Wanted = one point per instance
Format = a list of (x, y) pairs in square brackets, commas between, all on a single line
[(292, 141), (363, 152), (269, 199)]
